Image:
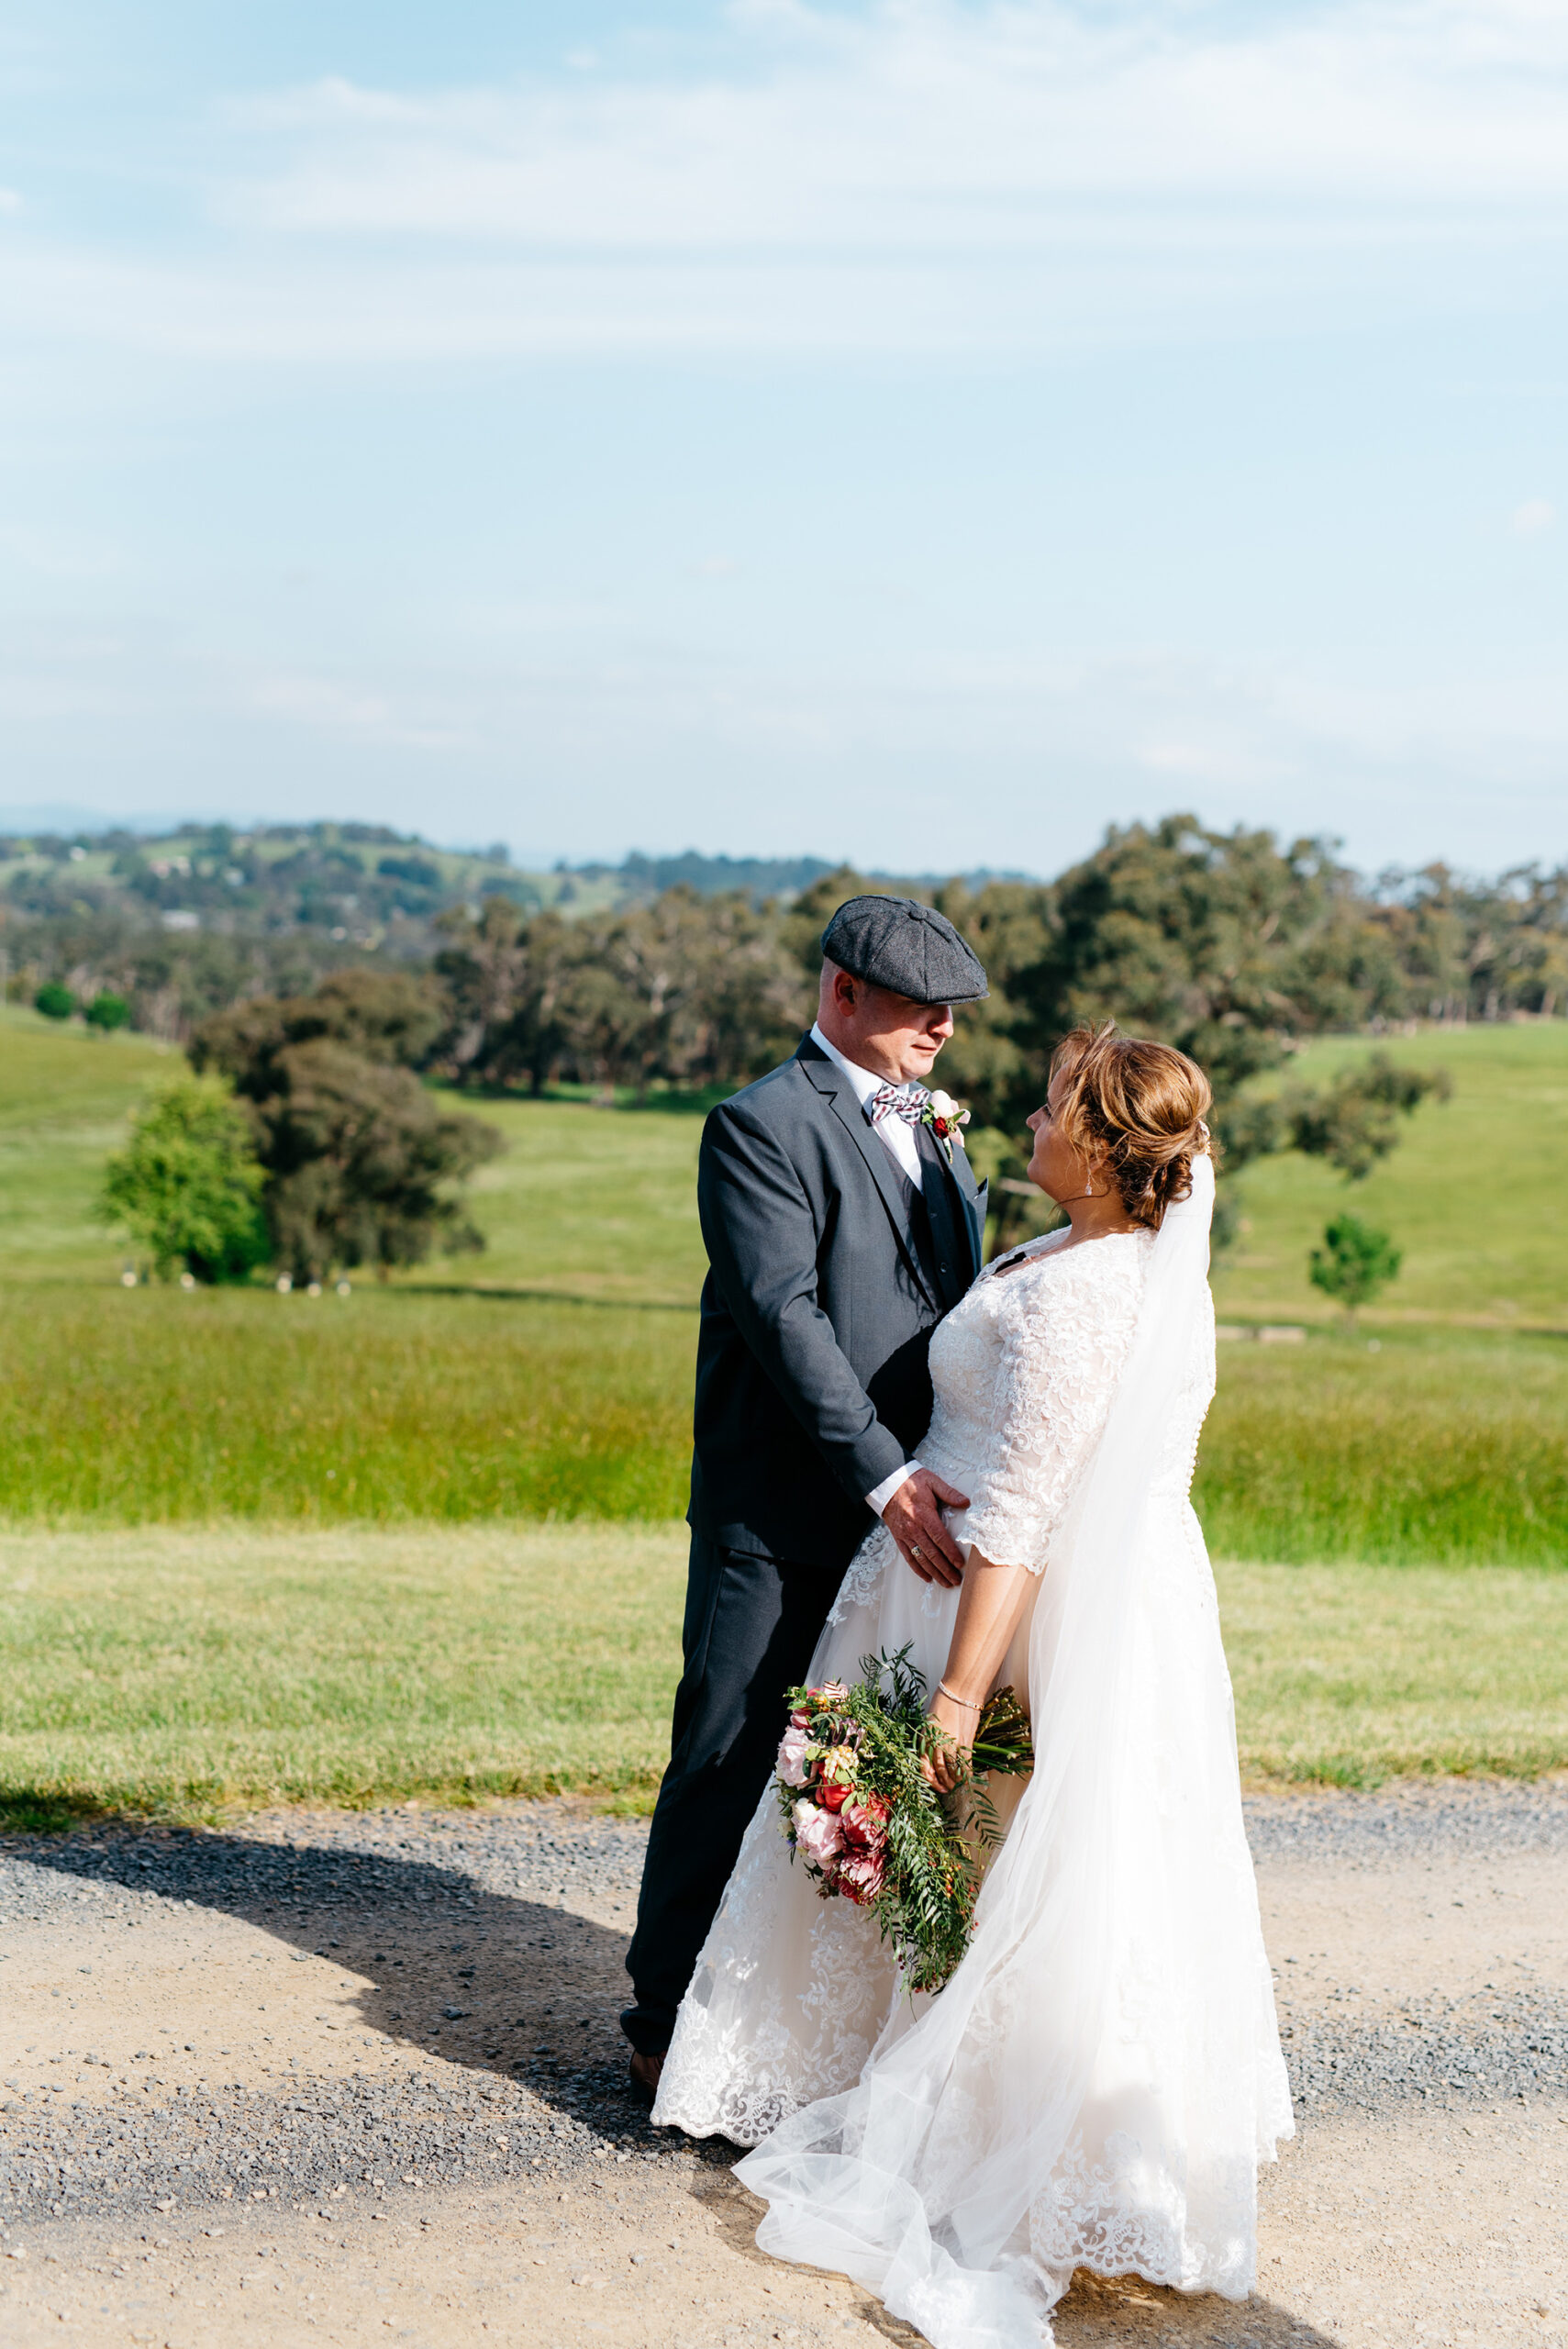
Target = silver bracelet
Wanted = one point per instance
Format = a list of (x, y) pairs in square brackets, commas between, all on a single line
[(943, 1690)]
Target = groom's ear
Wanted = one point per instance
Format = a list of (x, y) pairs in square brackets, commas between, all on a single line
[(838, 985)]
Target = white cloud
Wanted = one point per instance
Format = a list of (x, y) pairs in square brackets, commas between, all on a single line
[(1528, 521), (1022, 176), (929, 126)]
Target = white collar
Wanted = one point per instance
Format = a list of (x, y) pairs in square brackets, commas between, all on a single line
[(865, 1080)]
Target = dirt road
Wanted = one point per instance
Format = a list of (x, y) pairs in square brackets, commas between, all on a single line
[(352, 2080)]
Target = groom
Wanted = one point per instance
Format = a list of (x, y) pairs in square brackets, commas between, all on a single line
[(837, 1236)]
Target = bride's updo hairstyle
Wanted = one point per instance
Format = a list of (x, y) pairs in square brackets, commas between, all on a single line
[(1137, 1106)]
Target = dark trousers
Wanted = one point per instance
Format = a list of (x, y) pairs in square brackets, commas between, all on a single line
[(751, 1626)]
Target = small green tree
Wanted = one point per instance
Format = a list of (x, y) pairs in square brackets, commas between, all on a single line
[(54, 1001), (108, 1011), (188, 1186), (1353, 1263)]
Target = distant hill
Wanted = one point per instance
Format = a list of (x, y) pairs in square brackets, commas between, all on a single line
[(360, 884), (185, 919), (763, 879)]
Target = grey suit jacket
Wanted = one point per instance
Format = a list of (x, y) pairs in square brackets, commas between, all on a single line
[(822, 1293)]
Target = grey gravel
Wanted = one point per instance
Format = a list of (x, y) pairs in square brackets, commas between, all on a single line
[(1448, 1818), (354, 1887), (539, 2063)]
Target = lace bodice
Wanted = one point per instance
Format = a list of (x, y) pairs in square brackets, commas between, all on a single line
[(1022, 1374)]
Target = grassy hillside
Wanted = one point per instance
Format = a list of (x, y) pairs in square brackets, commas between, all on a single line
[(585, 1201), (1474, 1193), (65, 1097), (593, 1202)]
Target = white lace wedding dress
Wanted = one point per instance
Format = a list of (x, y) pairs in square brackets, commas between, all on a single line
[(1098, 2083)]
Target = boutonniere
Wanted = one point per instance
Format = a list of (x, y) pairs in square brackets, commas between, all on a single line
[(946, 1120)]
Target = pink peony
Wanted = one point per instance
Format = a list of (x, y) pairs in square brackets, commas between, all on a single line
[(864, 1824), (858, 1876), (791, 1763), (816, 1832)]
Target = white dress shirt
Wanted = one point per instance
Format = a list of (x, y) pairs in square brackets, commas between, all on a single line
[(899, 1139), (896, 1133)]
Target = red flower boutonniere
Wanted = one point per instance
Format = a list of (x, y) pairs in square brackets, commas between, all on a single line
[(946, 1120)]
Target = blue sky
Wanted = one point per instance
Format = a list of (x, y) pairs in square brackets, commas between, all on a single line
[(923, 432)]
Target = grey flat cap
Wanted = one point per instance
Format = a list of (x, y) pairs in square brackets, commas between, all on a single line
[(898, 943)]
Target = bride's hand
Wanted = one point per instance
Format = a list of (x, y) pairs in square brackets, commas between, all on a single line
[(948, 1767)]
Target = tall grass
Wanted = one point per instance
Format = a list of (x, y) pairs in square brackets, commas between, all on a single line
[(1439, 1448), (154, 1407)]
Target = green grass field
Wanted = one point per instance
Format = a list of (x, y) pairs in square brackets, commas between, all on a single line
[(258, 1548), (154, 1405), (549, 1377), (191, 1674)]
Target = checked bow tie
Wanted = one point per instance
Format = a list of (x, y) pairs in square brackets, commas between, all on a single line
[(906, 1101)]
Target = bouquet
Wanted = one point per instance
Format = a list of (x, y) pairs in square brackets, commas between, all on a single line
[(870, 1828)]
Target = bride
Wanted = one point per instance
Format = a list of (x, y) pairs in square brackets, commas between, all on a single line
[(1098, 2083)]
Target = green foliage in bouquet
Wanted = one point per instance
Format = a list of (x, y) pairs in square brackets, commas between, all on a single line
[(859, 1809)]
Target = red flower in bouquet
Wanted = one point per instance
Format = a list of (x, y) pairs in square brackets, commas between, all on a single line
[(836, 1777)]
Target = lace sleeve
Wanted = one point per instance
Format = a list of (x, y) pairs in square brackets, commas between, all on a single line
[(1065, 1328)]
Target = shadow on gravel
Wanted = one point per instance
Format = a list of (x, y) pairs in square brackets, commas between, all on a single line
[(508, 1985), (515, 1987), (1096, 2314)]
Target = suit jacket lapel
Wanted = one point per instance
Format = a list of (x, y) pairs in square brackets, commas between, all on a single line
[(820, 1071)]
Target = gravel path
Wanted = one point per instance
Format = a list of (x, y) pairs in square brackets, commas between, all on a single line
[(480, 1941), (400, 2027)]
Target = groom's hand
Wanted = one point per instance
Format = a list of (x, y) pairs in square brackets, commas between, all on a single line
[(914, 1517)]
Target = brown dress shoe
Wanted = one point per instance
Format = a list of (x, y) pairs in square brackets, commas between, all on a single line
[(645, 2071)]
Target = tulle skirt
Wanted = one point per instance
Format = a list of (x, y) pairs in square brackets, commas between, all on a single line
[(1098, 2082)]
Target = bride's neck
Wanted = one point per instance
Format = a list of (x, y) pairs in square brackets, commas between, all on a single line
[(1096, 1217)]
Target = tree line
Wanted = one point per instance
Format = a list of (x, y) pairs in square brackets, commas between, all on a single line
[(1227, 944)]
